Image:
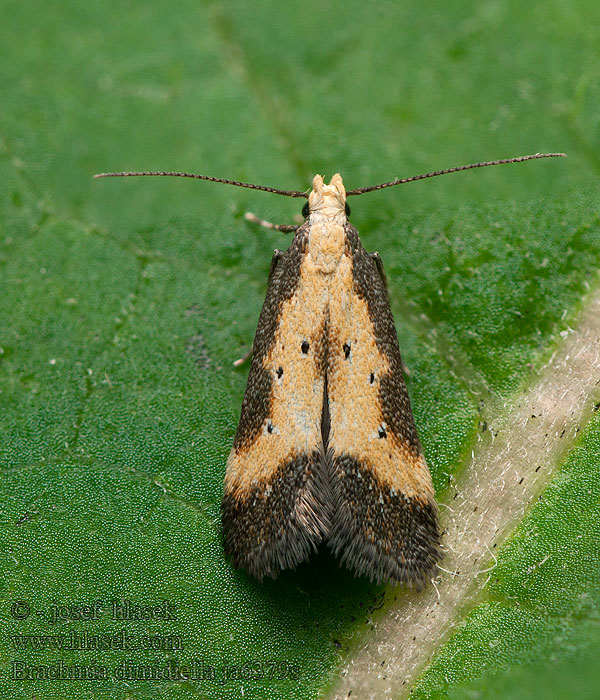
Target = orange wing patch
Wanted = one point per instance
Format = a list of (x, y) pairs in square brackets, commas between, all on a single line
[(295, 365), (356, 368)]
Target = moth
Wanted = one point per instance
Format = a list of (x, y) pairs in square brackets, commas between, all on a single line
[(326, 450)]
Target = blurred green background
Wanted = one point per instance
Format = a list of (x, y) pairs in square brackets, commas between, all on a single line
[(125, 302)]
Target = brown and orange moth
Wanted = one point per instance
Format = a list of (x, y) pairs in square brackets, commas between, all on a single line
[(326, 450)]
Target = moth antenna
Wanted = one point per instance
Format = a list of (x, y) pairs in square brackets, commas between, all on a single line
[(520, 159), (274, 190)]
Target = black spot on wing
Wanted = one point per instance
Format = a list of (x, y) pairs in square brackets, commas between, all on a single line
[(369, 284), (283, 282)]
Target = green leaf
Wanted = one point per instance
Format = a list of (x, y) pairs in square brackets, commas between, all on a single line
[(535, 633), (125, 302)]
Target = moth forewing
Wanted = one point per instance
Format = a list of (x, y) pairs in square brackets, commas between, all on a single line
[(275, 506)]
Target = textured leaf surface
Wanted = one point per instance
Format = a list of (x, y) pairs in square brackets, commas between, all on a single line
[(542, 605), (124, 303)]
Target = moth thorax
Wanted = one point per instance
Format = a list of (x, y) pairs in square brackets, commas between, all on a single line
[(327, 238)]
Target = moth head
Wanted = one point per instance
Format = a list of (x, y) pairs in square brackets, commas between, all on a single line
[(327, 200)]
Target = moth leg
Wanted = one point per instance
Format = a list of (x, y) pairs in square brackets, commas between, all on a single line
[(277, 255), (286, 228), (241, 360), (376, 258)]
